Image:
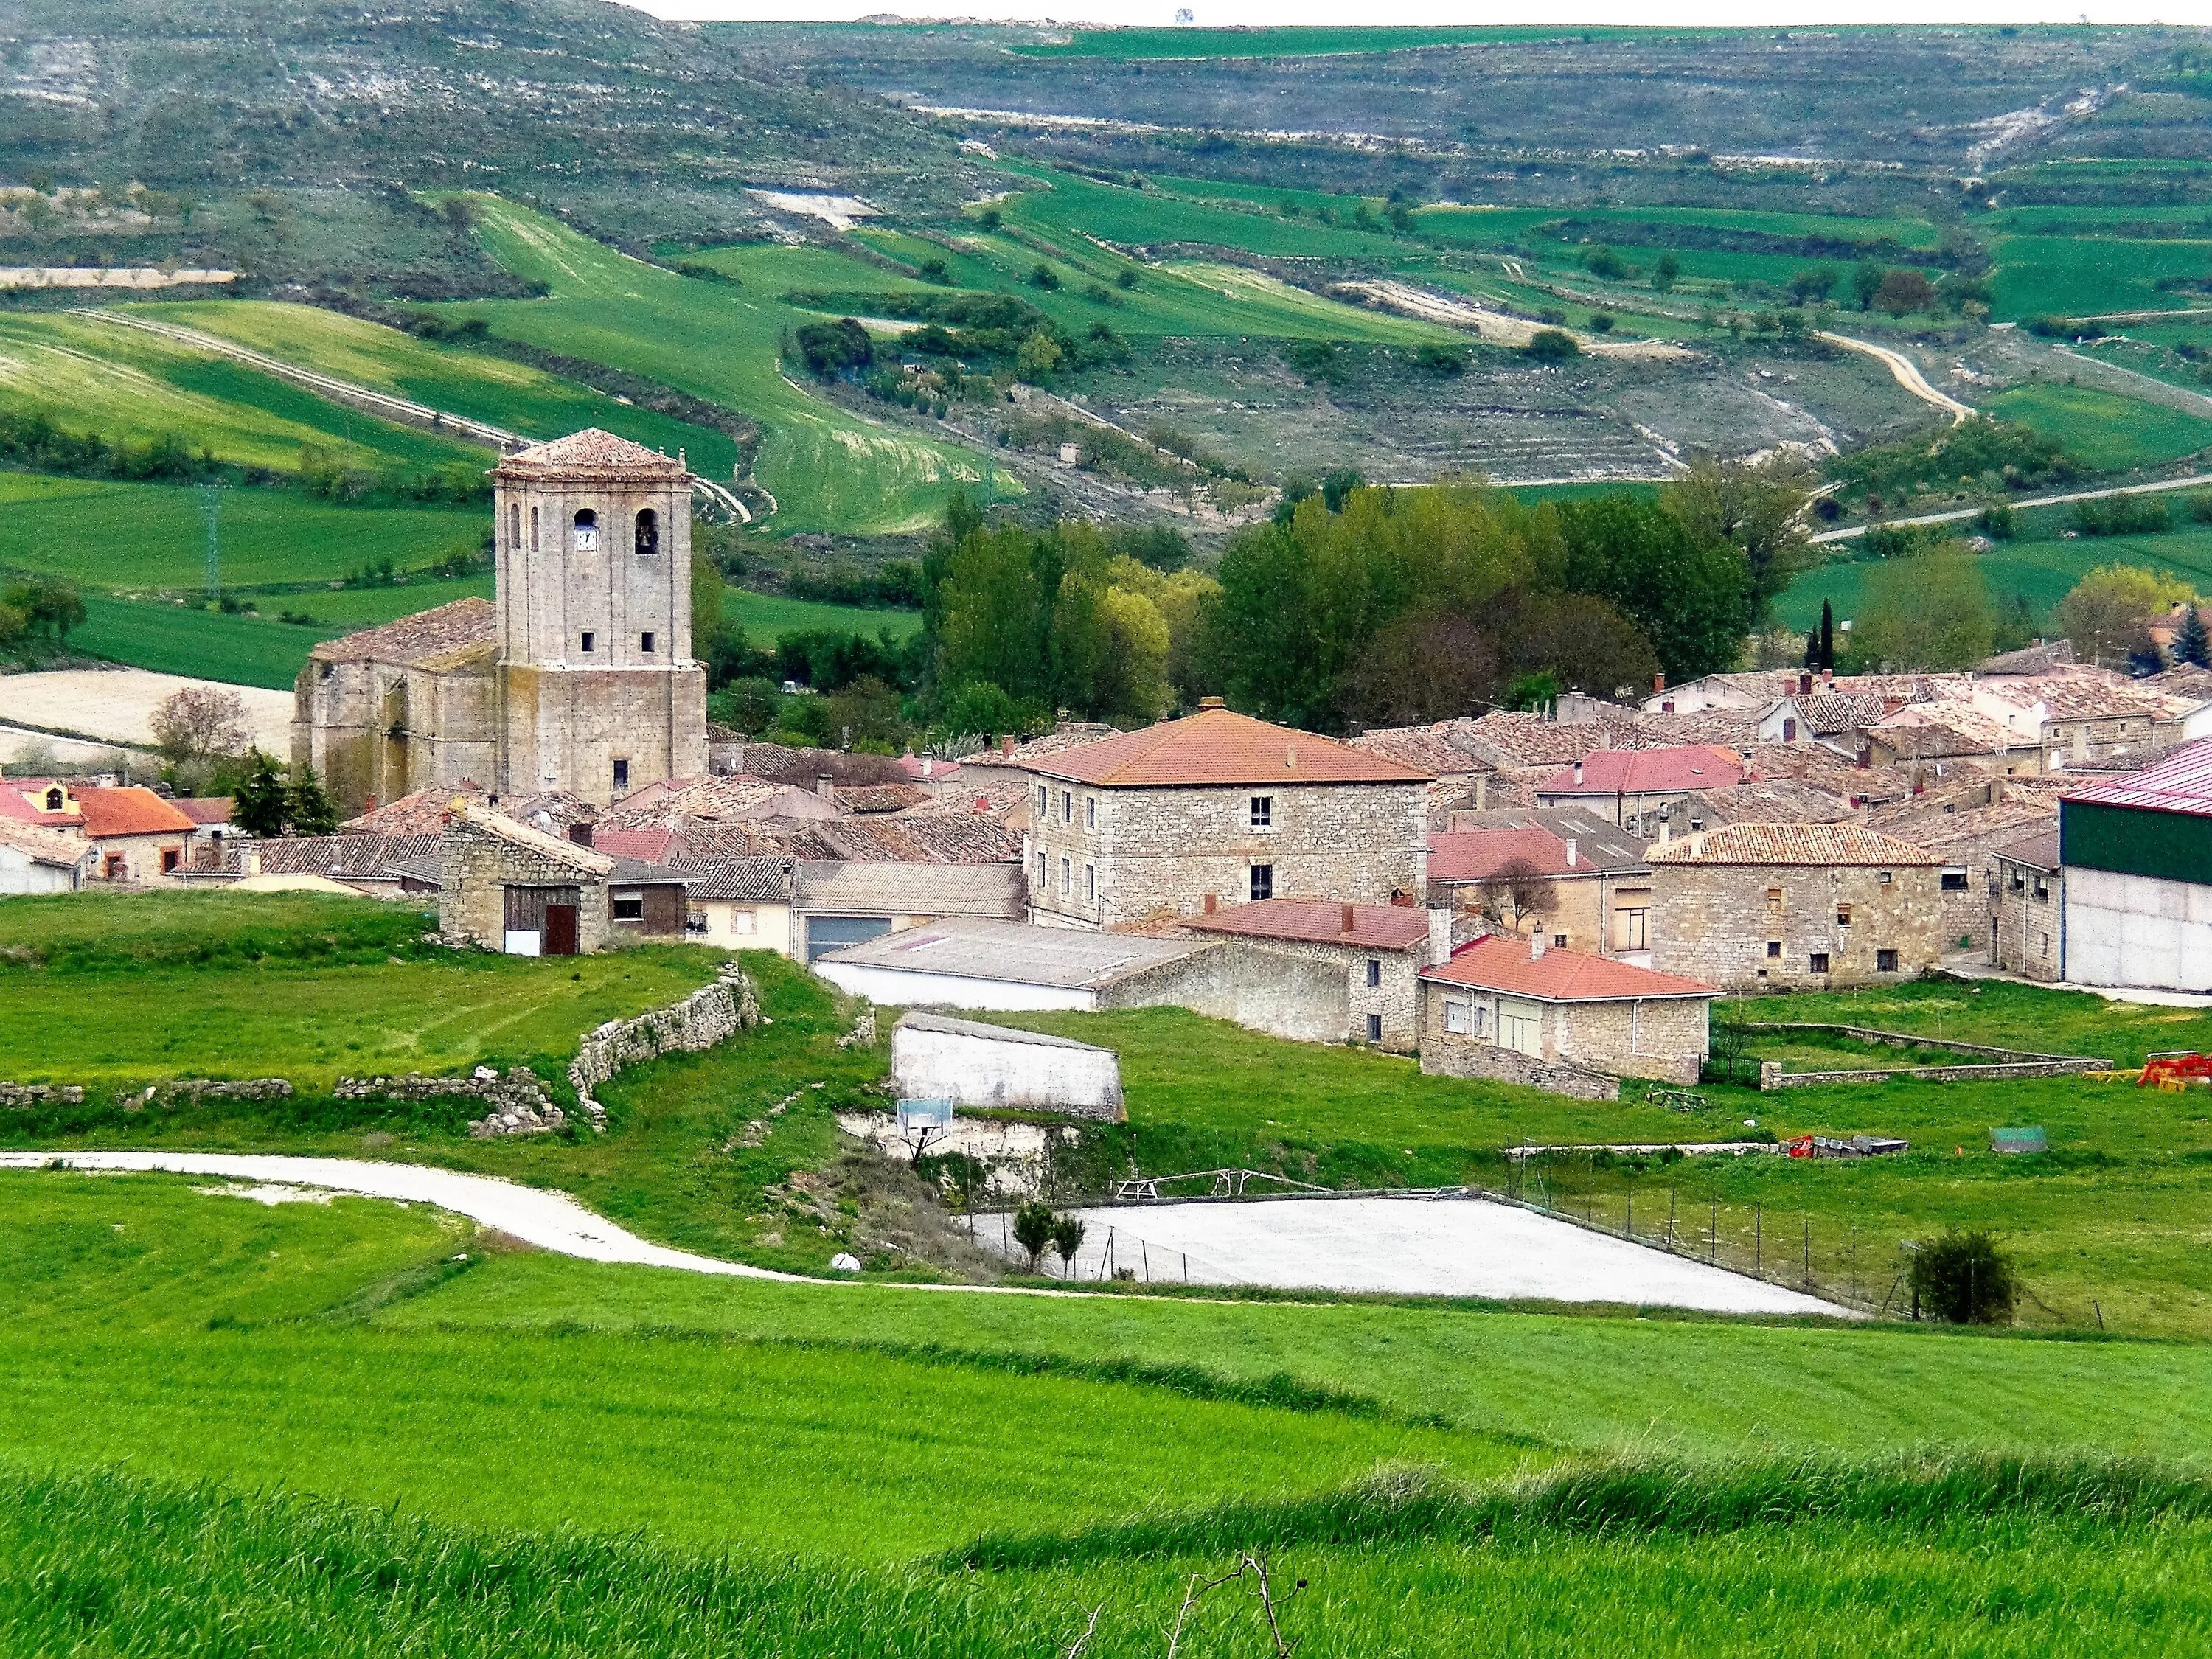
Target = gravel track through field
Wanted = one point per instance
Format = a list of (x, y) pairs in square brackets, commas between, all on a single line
[(1409, 1247)]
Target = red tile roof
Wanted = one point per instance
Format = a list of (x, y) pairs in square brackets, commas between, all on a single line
[(1220, 746), (1647, 771), (1792, 844), (462, 627), (1498, 962), (205, 811), (1320, 921), (592, 453), (648, 846), (1478, 855), (129, 811)]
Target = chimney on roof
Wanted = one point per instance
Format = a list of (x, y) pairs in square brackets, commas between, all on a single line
[(1210, 903), (252, 861), (1536, 941), (825, 786), (1289, 758), (1346, 919), (1006, 744), (580, 834), (1578, 773), (1666, 829), (1571, 852), (1828, 677), (1440, 936), (1658, 684), (1805, 683), (929, 766), (1212, 702)]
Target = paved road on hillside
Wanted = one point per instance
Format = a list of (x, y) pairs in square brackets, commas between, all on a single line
[(1434, 1248), (1959, 514)]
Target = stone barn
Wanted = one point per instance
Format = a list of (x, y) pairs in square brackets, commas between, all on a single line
[(974, 1064), (575, 677), (507, 887)]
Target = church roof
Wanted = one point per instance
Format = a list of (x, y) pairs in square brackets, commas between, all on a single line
[(451, 631), (591, 453)]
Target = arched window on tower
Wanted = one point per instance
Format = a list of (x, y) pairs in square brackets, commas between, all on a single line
[(588, 530), (515, 525), (534, 530), (648, 533)]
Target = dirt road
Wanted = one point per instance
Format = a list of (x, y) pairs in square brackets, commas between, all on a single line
[(1904, 371)]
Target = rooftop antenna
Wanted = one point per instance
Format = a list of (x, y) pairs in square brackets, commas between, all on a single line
[(211, 498)]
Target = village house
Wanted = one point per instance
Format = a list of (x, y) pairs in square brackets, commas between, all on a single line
[(1770, 907), (1642, 790), (1217, 806), (1961, 826), (1567, 874), (505, 886), (135, 836), (1522, 1011), (2026, 900), (1379, 949), (35, 861)]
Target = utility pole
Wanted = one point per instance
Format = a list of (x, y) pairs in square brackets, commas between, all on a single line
[(211, 498)]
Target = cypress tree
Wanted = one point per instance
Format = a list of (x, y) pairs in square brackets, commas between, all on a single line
[(1827, 635), (2191, 644)]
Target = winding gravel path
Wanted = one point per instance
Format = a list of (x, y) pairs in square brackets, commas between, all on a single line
[(1409, 1246)]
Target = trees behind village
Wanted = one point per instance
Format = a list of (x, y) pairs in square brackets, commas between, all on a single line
[(1925, 612), (2105, 614)]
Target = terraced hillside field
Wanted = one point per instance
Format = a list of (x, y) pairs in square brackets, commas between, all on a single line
[(827, 467)]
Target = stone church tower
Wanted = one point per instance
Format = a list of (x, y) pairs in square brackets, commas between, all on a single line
[(577, 677)]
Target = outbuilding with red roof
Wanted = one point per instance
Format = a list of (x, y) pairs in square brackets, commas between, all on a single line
[(1640, 790), (1217, 806), (1379, 949), (1511, 1008)]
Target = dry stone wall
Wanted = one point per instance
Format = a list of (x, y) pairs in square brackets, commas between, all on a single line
[(700, 1020)]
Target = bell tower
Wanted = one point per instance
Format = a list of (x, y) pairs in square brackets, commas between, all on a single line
[(598, 693)]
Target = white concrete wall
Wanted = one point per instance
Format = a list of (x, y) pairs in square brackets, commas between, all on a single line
[(21, 873), (981, 1071), (903, 989), (2137, 930)]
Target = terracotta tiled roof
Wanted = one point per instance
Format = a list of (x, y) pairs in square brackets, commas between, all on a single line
[(1771, 800), (206, 811), (1647, 771), (1792, 844), (1971, 828), (883, 797), (1599, 845), (129, 811), (1499, 961), (650, 846), (590, 453), (1440, 749), (1220, 746), (449, 631), (1068, 734), (2039, 851), (1320, 921), (1830, 712), (749, 880), (557, 849), (927, 768), (341, 855), (44, 846), (426, 810)]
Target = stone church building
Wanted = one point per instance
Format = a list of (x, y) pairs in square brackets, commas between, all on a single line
[(575, 677)]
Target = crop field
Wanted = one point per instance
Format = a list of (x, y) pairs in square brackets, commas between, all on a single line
[(2108, 432), (136, 537), (766, 617), (2079, 275), (2043, 572), (99, 1021), (474, 384), (84, 375), (828, 469), (175, 639), (1073, 206)]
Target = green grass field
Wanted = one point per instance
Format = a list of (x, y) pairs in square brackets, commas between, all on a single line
[(107, 1025), (2077, 275), (767, 617), (2109, 433), (826, 468), (474, 384), (86, 375)]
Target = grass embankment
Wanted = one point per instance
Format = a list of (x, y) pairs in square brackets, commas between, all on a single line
[(828, 469), (127, 385), (409, 1452), (116, 990)]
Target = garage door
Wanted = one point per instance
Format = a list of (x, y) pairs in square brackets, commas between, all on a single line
[(833, 932)]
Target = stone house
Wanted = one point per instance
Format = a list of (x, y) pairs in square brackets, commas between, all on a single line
[(1585, 884), (506, 886), (35, 861), (1961, 828), (1217, 804), (2027, 898), (1640, 790), (1379, 949), (135, 836), (1770, 907), (1521, 1010), (738, 903), (576, 675)]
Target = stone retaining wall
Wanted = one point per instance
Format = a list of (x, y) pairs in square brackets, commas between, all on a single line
[(518, 1103), (38, 1094), (700, 1020), (2005, 1062), (1486, 1061)]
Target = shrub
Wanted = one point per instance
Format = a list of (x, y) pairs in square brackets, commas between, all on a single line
[(2122, 516), (1962, 1277), (1066, 1239), (1035, 1227), (1043, 275), (1550, 345)]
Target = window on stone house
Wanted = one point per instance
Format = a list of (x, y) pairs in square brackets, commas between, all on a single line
[(1374, 971), (1455, 1020), (534, 530), (1040, 870), (1066, 875), (1773, 947), (626, 906), (2043, 947), (1090, 883), (1885, 962), (2019, 879), (1263, 812), (1041, 800), (329, 671), (647, 539), (644, 643), (1635, 930), (1263, 881), (515, 525), (56, 800), (1818, 964), (1066, 806), (1773, 898), (622, 774), (1091, 811), (1375, 1028), (1482, 1020), (1954, 881), (587, 529), (1842, 916), (1885, 878), (2042, 888), (170, 858), (586, 641)]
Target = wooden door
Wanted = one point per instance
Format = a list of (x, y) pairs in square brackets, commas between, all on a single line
[(560, 930)]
